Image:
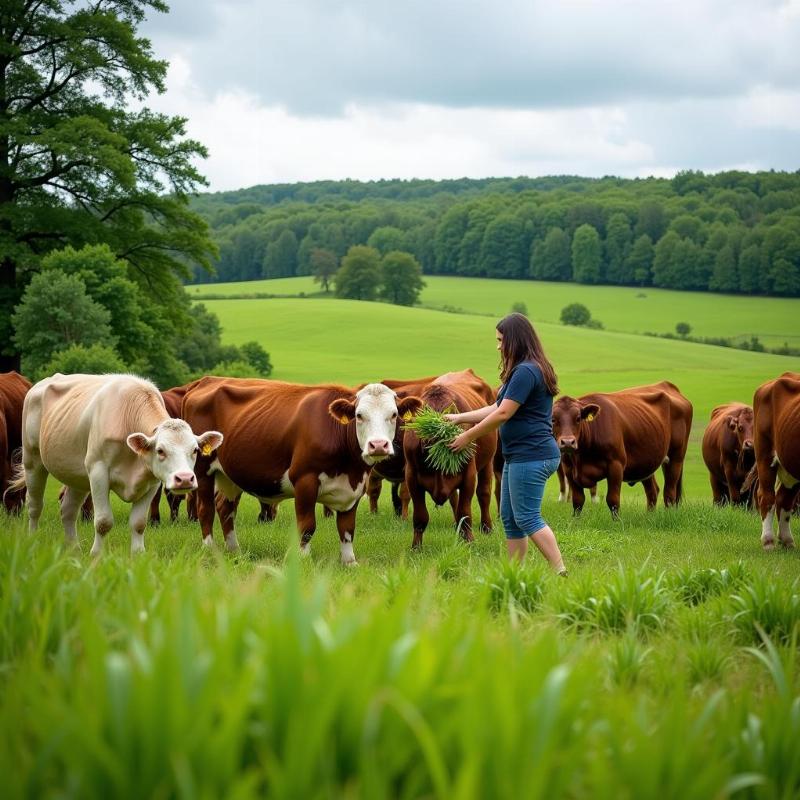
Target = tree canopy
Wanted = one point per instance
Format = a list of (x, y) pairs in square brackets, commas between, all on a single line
[(83, 161)]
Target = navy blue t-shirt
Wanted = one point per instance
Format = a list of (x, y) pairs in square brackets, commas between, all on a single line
[(528, 435)]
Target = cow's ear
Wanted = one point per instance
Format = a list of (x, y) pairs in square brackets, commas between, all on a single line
[(732, 422), (408, 406), (209, 441), (140, 443), (343, 410), (590, 411)]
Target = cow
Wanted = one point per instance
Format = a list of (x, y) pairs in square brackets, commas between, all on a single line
[(563, 486), (463, 391), (13, 388), (776, 424), (728, 452), (624, 436), (103, 433), (315, 444)]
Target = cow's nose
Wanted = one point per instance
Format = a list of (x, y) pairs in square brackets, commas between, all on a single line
[(567, 441), (747, 444), (184, 480), (376, 447)]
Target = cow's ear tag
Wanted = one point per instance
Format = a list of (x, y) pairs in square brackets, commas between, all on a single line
[(344, 420), (590, 417), (207, 449), (407, 416)]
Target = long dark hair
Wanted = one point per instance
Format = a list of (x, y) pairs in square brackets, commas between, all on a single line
[(521, 343)]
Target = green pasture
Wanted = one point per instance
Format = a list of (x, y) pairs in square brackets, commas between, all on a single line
[(774, 320), (314, 340)]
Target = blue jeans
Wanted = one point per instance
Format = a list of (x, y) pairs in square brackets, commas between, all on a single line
[(521, 493)]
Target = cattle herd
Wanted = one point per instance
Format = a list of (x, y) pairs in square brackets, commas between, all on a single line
[(331, 444)]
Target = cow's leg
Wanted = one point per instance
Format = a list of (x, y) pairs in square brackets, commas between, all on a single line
[(420, 516), (562, 484), (226, 511), (784, 502), (327, 511), (155, 507), (593, 493), (71, 504), (651, 491), (191, 507), (405, 499), (174, 503), (463, 510), (578, 498), (13, 501), (268, 512), (306, 490), (718, 489), (614, 481), (138, 519), (484, 492), (673, 473), (204, 505), (103, 515), (732, 489), (399, 506), (35, 482), (766, 503), (346, 525), (374, 485)]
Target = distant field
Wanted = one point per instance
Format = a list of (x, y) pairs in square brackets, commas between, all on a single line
[(773, 320), (350, 342)]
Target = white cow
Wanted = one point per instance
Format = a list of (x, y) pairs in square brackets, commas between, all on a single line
[(102, 433)]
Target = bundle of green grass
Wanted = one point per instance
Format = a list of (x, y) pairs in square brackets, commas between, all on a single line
[(437, 432)]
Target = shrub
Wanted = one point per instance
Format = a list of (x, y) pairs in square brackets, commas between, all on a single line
[(683, 329), (97, 359), (575, 314), (764, 603), (519, 308), (513, 585)]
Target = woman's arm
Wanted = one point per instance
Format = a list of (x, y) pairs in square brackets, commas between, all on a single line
[(489, 422), (471, 416)]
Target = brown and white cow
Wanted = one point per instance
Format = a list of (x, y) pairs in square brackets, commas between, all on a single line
[(776, 413), (282, 440), (624, 436), (464, 391), (13, 388), (728, 451), (104, 433)]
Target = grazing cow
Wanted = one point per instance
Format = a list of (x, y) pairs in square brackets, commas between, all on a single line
[(285, 440), (776, 413), (624, 436), (103, 433), (728, 452), (13, 388), (463, 391)]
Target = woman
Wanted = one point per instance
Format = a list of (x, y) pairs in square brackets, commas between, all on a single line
[(523, 414)]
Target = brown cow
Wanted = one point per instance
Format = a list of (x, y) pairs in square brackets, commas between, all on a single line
[(728, 452), (466, 392), (564, 485), (287, 440), (776, 412), (13, 388), (624, 436)]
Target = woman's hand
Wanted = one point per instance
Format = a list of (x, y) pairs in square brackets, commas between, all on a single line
[(451, 417), (460, 442)]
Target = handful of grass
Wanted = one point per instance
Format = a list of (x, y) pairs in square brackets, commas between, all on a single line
[(437, 432)]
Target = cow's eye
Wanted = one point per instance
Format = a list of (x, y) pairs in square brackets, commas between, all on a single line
[(360, 417), (160, 452), (394, 415)]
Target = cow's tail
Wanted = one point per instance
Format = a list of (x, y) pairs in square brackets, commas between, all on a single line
[(17, 482), (751, 479)]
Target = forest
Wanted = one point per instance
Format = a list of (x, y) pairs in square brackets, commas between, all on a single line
[(734, 232)]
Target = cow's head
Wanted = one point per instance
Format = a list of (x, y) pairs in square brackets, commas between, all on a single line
[(171, 451), (741, 424), (568, 416), (375, 409)]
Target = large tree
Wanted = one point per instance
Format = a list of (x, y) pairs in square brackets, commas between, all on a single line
[(82, 160), (401, 278)]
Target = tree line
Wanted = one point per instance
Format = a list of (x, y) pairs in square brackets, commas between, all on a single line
[(734, 231)]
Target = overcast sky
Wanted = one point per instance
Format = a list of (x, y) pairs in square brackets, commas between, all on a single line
[(328, 89)]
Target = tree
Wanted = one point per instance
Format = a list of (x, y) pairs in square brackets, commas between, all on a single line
[(553, 262), (323, 267), (359, 275), (81, 160), (617, 247), (750, 269), (683, 329), (586, 255), (651, 221), (575, 314), (663, 260), (55, 312), (386, 239), (640, 261), (95, 359), (724, 277), (280, 260), (258, 358), (519, 308), (502, 254), (401, 278)]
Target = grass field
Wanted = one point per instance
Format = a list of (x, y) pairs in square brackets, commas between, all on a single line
[(665, 666), (774, 320)]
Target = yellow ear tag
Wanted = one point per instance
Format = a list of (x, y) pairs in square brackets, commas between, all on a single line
[(590, 418), (407, 416), (207, 449), (344, 420)]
